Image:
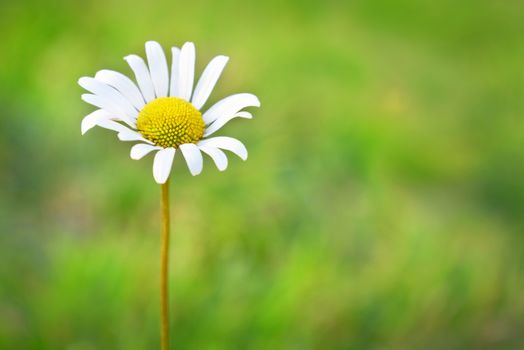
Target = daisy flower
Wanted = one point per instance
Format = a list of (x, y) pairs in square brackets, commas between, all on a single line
[(163, 112)]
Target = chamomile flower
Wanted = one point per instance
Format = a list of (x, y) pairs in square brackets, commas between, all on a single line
[(163, 112)]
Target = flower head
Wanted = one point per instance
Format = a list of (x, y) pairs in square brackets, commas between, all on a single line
[(163, 112)]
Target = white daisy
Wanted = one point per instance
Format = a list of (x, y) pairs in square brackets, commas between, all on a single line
[(163, 112)]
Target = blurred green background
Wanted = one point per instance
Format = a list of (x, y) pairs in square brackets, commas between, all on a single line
[(381, 206)]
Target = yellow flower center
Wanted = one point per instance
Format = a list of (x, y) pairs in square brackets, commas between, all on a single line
[(170, 122)]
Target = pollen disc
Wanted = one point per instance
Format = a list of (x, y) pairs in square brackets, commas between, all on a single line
[(170, 122)]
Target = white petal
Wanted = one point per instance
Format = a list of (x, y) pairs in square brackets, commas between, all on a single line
[(186, 71), (208, 80), (221, 121), (141, 149), (193, 157), (109, 106), (91, 120), (162, 164), (112, 125), (158, 68), (123, 84), (244, 114), (217, 155), (227, 143), (130, 135), (142, 76), (173, 84), (230, 106), (103, 90)]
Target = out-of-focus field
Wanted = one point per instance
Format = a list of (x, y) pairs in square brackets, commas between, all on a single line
[(381, 207)]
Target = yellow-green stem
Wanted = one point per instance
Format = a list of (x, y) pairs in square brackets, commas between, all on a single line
[(164, 268)]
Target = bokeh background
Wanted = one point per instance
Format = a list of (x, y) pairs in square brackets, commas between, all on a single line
[(381, 206)]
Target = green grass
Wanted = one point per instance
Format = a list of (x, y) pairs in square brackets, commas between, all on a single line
[(380, 207)]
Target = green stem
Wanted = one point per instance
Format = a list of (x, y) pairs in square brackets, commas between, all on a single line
[(164, 268)]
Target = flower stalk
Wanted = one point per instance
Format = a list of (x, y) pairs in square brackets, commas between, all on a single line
[(164, 267)]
